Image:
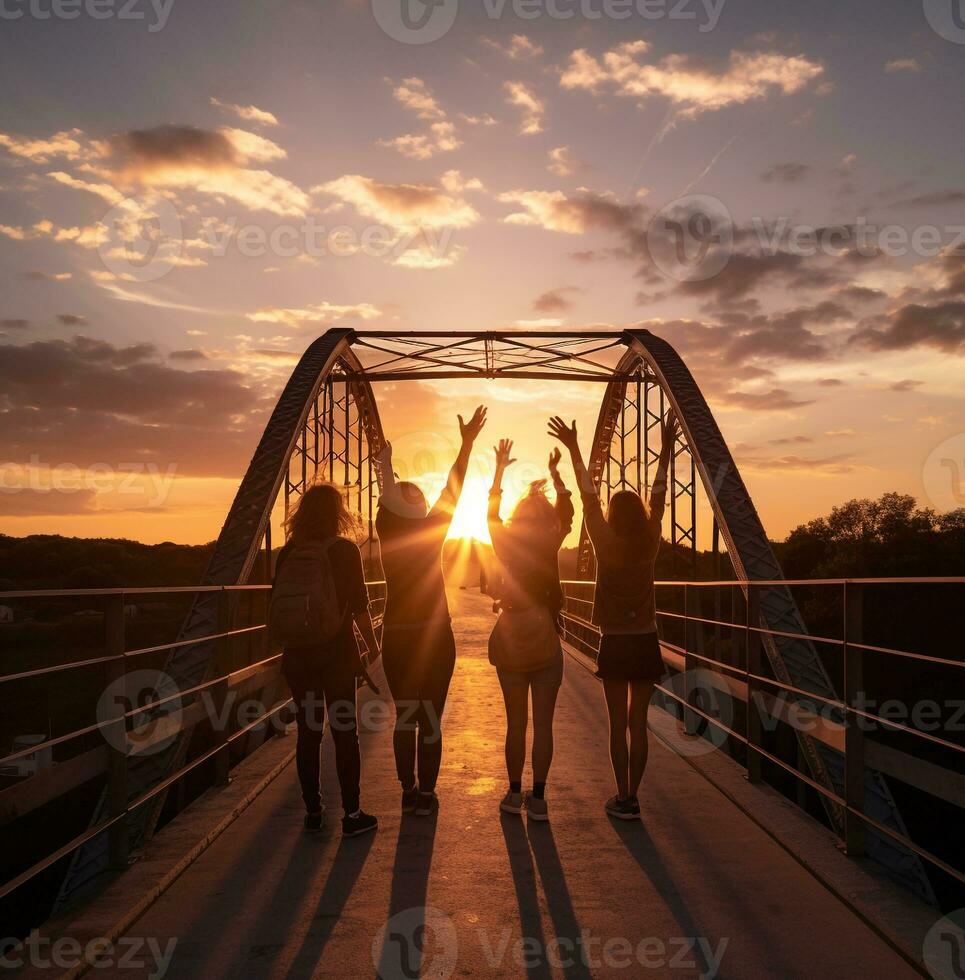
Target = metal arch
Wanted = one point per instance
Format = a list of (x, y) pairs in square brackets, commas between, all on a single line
[(793, 661), (233, 562)]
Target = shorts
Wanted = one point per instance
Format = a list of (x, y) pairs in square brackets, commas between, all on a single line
[(630, 657), (549, 677)]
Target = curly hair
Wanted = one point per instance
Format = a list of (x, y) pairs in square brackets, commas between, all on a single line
[(320, 514)]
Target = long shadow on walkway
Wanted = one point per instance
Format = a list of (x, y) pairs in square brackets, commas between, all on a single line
[(523, 845), (347, 866), (637, 840), (410, 939)]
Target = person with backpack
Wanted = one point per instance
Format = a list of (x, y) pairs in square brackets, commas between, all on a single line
[(525, 643), (319, 597), (418, 648), (625, 543)]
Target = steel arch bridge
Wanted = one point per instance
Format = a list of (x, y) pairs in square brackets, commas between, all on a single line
[(326, 425)]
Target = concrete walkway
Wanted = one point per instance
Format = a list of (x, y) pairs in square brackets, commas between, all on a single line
[(697, 889)]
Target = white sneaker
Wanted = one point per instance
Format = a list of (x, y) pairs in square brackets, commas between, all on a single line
[(512, 803), (536, 808)]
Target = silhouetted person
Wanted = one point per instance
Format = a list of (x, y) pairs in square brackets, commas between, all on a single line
[(525, 645), (626, 543), (418, 648), (317, 567)]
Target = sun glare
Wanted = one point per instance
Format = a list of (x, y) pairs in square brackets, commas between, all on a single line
[(469, 521)]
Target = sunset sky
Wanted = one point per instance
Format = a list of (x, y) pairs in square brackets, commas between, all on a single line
[(502, 175)]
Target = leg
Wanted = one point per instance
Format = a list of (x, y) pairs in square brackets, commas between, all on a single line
[(616, 693), (516, 698), (398, 673), (544, 707), (340, 701), (640, 694), (310, 719), (433, 691)]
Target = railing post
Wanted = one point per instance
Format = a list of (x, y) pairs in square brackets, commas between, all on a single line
[(222, 759), (854, 744), (691, 719), (117, 742), (752, 665)]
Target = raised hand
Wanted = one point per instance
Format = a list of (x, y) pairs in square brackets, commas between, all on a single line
[(555, 457), (504, 453), (471, 429), (670, 429), (566, 434)]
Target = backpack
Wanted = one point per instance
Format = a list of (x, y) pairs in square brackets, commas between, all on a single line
[(304, 604)]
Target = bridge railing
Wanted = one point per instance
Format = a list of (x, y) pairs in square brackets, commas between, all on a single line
[(100, 750), (717, 660)]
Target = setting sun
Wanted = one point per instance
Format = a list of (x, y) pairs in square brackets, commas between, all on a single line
[(469, 520)]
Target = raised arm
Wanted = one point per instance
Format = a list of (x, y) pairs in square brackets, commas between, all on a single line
[(596, 525), (564, 499), (383, 463), (669, 431), (504, 454), (468, 431)]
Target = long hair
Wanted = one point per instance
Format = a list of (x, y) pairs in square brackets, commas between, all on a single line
[(628, 516), (534, 511), (320, 514)]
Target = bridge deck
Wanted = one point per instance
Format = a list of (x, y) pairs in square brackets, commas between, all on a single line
[(696, 880)]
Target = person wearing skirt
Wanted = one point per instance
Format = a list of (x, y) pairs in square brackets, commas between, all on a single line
[(625, 542)]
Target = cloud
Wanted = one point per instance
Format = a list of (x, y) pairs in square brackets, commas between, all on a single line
[(38, 275), (315, 313), (941, 327), (407, 207), (249, 113), (484, 119), (786, 173), (573, 215), (902, 64), (90, 402), (692, 88), (519, 94), (563, 163), (775, 400), (519, 47), (908, 384), (69, 144), (932, 200), (441, 136), (71, 319), (12, 323), (555, 300)]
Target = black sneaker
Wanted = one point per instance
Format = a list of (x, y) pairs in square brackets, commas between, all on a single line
[(314, 821), (358, 824), (622, 809), (428, 804), (410, 798), (634, 805)]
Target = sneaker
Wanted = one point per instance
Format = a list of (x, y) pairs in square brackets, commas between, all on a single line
[(428, 804), (314, 821), (359, 823), (536, 808), (512, 803), (634, 806), (622, 809), (410, 797)]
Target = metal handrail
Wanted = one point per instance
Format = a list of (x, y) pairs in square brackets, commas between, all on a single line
[(852, 805)]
